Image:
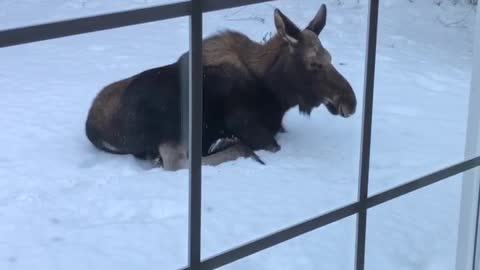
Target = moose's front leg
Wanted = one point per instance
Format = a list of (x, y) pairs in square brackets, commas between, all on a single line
[(174, 157), (246, 126)]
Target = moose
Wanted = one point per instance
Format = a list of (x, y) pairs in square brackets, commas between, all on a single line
[(247, 88)]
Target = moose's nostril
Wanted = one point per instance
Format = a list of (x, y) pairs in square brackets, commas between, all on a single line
[(347, 107), (345, 111)]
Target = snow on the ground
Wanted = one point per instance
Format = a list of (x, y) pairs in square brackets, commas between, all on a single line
[(65, 205)]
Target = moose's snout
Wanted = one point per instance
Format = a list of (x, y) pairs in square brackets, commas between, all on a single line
[(343, 100), (347, 106)]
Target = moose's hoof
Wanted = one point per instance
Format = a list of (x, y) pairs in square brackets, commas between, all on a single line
[(273, 148), (158, 162), (222, 144)]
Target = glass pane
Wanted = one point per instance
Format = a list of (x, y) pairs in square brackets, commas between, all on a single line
[(416, 231), (64, 204), (331, 247), (421, 93), (316, 169), (18, 13)]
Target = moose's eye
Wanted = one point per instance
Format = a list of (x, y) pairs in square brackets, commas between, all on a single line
[(315, 66)]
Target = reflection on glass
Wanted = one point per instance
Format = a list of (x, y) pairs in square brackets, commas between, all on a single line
[(416, 231), (421, 93), (312, 167), (65, 201), (331, 247)]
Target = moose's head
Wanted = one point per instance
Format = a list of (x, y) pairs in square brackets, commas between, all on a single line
[(305, 67)]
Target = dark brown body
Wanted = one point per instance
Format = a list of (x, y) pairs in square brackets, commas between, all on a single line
[(247, 89), (137, 114)]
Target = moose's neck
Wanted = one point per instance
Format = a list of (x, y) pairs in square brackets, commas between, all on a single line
[(277, 73), (265, 62), (260, 57), (261, 60)]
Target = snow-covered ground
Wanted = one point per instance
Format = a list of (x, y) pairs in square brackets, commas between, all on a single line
[(65, 205)]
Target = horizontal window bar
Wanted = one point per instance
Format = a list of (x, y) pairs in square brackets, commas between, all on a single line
[(71, 27), (333, 216), (278, 237), (421, 182), (213, 5), (90, 24)]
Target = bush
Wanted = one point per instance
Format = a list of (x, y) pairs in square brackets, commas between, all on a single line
[(471, 2), (468, 2)]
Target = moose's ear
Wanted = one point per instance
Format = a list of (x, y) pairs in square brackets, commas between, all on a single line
[(286, 28), (317, 24)]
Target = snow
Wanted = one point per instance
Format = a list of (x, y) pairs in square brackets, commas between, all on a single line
[(65, 205)]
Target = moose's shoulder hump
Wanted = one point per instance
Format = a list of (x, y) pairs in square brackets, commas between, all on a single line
[(228, 35), (226, 48)]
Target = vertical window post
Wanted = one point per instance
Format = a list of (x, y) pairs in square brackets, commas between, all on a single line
[(195, 134), (468, 231), (366, 134)]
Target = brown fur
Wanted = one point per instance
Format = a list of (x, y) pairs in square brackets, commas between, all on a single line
[(104, 114), (248, 87), (241, 52)]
